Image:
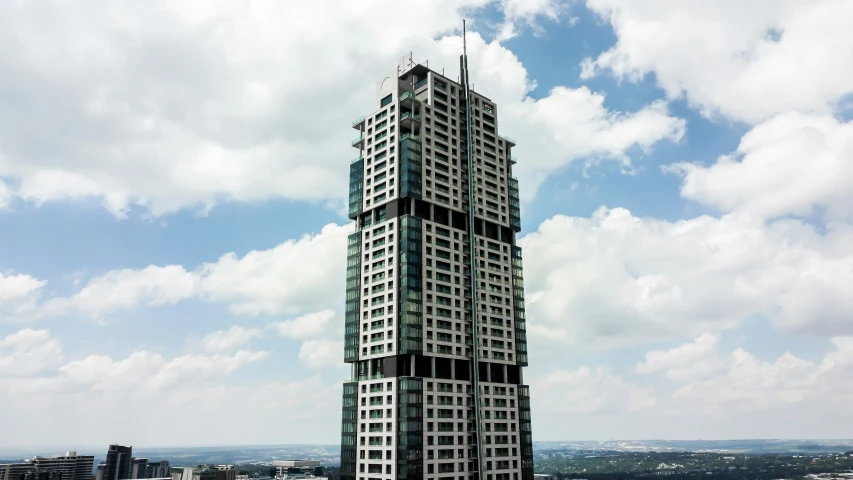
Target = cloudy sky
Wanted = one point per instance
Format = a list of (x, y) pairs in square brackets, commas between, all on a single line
[(172, 181)]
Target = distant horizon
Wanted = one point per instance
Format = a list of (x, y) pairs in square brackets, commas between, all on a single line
[(84, 450)]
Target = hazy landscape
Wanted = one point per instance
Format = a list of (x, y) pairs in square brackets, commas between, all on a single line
[(543, 451)]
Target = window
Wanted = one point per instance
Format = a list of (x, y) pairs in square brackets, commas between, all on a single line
[(385, 101)]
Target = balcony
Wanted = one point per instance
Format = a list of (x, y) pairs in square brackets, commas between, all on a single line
[(507, 140), (409, 136), (408, 99), (410, 120), (356, 159), (358, 124), (358, 142)]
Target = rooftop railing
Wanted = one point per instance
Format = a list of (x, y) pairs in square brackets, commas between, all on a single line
[(507, 139)]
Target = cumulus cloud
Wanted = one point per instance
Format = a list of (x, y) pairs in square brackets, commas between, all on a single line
[(322, 353), (588, 391), (290, 278), (243, 414), (307, 326), (140, 370), (771, 57), (122, 289), (792, 164), (5, 196), (615, 279), (227, 340), (28, 352), (182, 104), (685, 362), (319, 347), (742, 382), (173, 105), (720, 392), (18, 294), (176, 105), (520, 13)]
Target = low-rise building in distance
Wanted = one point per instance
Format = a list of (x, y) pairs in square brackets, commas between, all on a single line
[(61, 467), (298, 469), (204, 472)]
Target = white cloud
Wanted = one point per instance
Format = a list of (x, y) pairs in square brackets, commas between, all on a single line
[(614, 279), (181, 104), (28, 352), (175, 105), (307, 326), (588, 391), (243, 414), (290, 278), (227, 340), (742, 396), (5, 196), (792, 164), (746, 60), (530, 9), (685, 362), (18, 293), (31, 363), (573, 124), (141, 370), (317, 349), (745, 383), (528, 12), (119, 290), (322, 353)]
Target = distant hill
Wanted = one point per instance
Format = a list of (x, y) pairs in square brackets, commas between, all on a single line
[(733, 446)]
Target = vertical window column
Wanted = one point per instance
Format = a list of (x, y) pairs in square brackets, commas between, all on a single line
[(410, 166), (356, 187), (518, 310), (349, 431), (411, 288), (353, 300), (410, 457)]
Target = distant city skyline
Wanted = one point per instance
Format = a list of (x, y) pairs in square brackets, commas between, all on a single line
[(248, 453), (173, 212)]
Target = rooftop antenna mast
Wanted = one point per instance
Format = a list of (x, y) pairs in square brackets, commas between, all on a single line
[(472, 246)]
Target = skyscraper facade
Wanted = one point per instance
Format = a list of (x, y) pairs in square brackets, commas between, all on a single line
[(119, 463), (157, 469), (138, 468), (435, 323)]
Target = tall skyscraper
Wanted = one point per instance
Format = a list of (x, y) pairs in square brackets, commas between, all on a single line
[(119, 463), (435, 325)]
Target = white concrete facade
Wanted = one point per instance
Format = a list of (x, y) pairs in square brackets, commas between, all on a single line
[(421, 109)]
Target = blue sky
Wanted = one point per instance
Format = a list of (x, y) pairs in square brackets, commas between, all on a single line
[(172, 181)]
